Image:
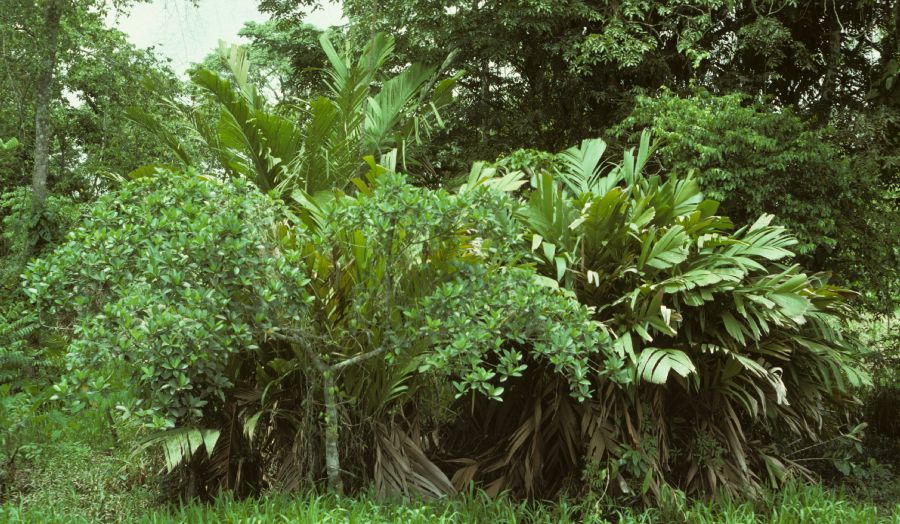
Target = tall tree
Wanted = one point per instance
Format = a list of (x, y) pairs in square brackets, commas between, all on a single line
[(538, 73), (543, 74), (65, 78), (52, 15)]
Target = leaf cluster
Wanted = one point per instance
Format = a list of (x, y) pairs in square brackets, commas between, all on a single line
[(756, 160), (172, 276)]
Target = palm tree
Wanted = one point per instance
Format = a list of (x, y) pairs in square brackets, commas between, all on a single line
[(367, 112)]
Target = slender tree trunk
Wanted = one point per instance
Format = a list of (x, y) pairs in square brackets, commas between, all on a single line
[(329, 392), (833, 64), (42, 107), (332, 452)]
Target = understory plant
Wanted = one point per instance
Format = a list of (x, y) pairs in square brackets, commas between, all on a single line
[(378, 263), (143, 279), (724, 347), (304, 315)]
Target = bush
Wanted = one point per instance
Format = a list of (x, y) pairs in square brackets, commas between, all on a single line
[(724, 344), (171, 275), (610, 322), (227, 322)]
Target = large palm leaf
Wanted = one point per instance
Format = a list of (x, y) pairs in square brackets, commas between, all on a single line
[(367, 112)]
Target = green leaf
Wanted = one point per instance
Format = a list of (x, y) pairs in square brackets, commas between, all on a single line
[(654, 364), (151, 124), (210, 437), (150, 170), (9, 145), (669, 250), (560, 267), (734, 328), (549, 250)]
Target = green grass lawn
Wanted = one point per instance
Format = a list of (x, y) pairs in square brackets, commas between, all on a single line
[(796, 504)]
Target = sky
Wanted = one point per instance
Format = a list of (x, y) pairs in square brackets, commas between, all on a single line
[(185, 33)]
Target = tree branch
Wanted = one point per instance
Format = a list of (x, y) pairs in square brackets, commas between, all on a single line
[(359, 358), (320, 365)]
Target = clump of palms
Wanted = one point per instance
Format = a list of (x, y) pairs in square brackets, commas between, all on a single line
[(722, 345), (367, 111)]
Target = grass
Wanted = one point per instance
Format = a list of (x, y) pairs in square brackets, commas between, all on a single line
[(797, 504), (70, 481)]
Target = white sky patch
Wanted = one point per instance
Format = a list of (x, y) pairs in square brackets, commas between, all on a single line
[(186, 33)]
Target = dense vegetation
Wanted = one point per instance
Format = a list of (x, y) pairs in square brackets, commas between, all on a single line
[(640, 261)]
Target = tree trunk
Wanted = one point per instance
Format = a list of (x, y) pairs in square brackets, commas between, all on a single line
[(329, 392), (829, 82), (332, 452), (42, 108)]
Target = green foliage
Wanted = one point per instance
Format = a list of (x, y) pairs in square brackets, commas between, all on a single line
[(100, 72), (556, 314), (795, 503), (33, 430), (561, 334), (74, 481), (195, 304), (880, 334), (142, 281), (881, 401), (756, 160), (16, 325), (354, 119), (725, 344), (387, 270), (288, 59), (286, 63), (545, 73), (22, 230), (683, 349), (798, 504)]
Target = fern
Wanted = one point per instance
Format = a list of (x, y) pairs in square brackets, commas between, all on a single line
[(15, 329)]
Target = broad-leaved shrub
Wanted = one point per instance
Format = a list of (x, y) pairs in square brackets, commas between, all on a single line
[(171, 276)]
